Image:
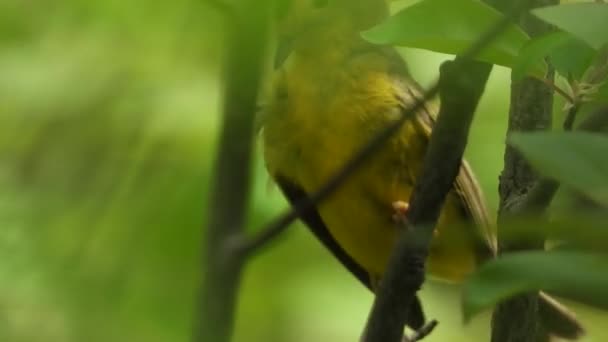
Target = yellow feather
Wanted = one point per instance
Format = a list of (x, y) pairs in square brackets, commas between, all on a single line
[(336, 93)]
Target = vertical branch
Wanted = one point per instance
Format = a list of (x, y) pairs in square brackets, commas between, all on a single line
[(229, 194), (530, 109)]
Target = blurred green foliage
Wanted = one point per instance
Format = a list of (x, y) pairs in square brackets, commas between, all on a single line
[(108, 118)]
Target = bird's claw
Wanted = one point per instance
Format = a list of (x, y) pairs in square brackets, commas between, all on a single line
[(400, 209)]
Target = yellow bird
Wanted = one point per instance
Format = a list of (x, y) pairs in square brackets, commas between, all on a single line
[(330, 98)]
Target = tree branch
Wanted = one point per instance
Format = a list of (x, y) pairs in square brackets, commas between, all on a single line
[(531, 109), (573, 109), (551, 84), (461, 85), (229, 195), (540, 196)]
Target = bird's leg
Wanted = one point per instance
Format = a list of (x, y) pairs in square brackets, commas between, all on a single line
[(400, 209)]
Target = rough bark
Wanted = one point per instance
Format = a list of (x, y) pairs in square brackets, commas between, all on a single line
[(517, 320)]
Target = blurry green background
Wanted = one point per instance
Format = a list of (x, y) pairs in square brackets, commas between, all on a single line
[(108, 120)]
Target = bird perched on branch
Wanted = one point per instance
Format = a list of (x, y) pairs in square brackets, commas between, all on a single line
[(329, 99)]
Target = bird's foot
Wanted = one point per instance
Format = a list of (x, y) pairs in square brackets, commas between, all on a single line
[(400, 209)]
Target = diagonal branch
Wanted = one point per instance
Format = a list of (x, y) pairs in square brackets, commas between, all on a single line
[(461, 85)]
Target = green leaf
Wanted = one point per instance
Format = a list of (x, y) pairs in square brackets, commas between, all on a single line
[(587, 21), (572, 58), (577, 159), (569, 55), (579, 228), (449, 26), (530, 60), (569, 274)]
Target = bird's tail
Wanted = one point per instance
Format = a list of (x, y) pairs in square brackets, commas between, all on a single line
[(557, 319)]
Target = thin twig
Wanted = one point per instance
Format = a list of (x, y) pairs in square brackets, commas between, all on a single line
[(551, 84), (571, 115)]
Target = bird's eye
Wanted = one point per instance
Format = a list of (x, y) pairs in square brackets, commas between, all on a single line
[(320, 3)]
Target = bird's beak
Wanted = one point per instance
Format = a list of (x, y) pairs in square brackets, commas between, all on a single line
[(283, 51)]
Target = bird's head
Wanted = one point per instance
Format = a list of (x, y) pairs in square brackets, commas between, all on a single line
[(311, 25)]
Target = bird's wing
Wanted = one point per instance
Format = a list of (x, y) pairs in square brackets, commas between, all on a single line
[(474, 206), (313, 220)]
